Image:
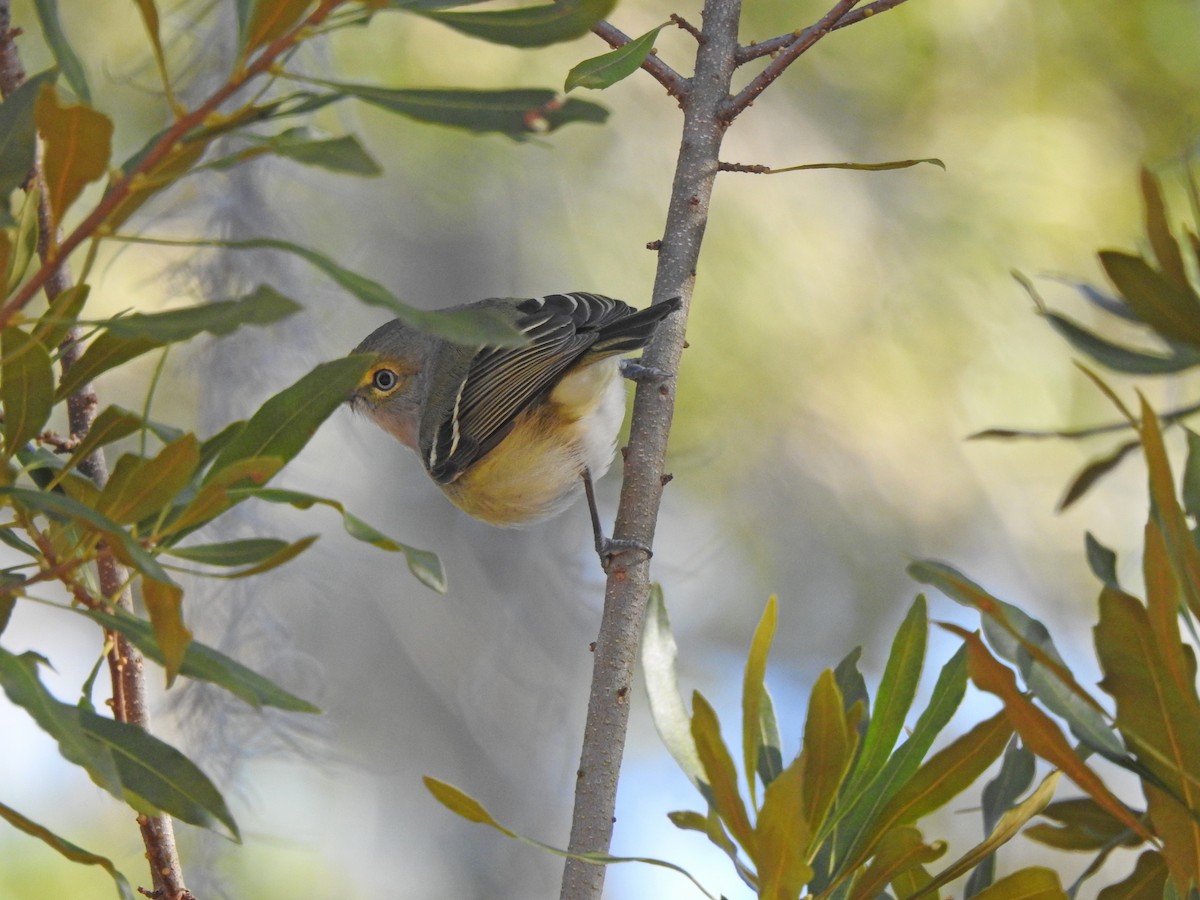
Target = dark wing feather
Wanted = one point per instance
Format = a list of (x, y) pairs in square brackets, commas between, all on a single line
[(502, 382)]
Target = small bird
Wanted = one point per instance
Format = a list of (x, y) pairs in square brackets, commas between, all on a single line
[(510, 433)]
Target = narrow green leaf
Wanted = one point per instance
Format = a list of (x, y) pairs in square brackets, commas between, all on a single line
[(671, 719), (214, 497), (531, 26), (53, 326), (897, 689), (8, 600), (462, 804), (900, 850), (71, 851), (159, 777), (859, 167), (284, 424), (1083, 824), (850, 681), (164, 604), (19, 679), (24, 248), (1093, 472), (1148, 881), (1171, 309), (285, 554), (516, 112), (139, 487), (262, 306), (106, 352), (605, 70), (271, 19), (231, 553), (1119, 357), (18, 131), (769, 764), (999, 796), (62, 507), (1101, 560), (753, 688), (423, 564), (78, 142), (828, 749), (720, 774), (112, 424), (26, 388), (783, 835), (710, 826), (343, 154), (1158, 230), (56, 39), (203, 663), (1033, 883)]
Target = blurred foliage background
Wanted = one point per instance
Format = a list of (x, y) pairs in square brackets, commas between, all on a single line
[(848, 331)]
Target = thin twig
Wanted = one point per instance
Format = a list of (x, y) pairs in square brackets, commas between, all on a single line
[(628, 588), (684, 25), (125, 661), (676, 85), (773, 45)]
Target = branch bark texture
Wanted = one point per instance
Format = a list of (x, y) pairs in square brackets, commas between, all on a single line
[(125, 662), (628, 589)]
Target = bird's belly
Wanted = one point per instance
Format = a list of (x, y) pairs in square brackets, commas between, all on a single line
[(534, 473)]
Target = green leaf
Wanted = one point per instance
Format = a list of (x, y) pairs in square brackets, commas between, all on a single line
[(999, 796), (262, 306), (472, 810), (1158, 230), (897, 689), (1102, 560), (1171, 309), (139, 487), (605, 70), (828, 749), (111, 425), (25, 247), (106, 352), (1082, 825), (858, 167), (753, 688), (271, 19), (1148, 881), (671, 719), (423, 564), (19, 678), (62, 507), (214, 497), (56, 38), (71, 851), (1118, 357), (284, 552), (203, 663), (1093, 472), (164, 604), (157, 777), (340, 154), (531, 26), (900, 851), (78, 142), (18, 132), (516, 112), (284, 424), (782, 836), (720, 774), (26, 388), (1033, 883), (8, 600), (61, 315), (231, 553)]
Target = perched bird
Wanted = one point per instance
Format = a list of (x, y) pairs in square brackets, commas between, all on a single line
[(510, 433)]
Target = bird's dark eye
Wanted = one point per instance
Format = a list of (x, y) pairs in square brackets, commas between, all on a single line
[(384, 380)]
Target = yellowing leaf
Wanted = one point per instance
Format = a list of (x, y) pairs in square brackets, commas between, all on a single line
[(26, 388), (1034, 883), (78, 143), (720, 773), (139, 487), (164, 603), (1147, 881), (901, 850), (752, 694), (828, 748), (782, 837)]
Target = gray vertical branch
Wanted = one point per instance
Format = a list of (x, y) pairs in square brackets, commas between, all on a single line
[(627, 590), (125, 661)]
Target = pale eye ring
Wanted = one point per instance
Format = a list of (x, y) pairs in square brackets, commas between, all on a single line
[(384, 380)]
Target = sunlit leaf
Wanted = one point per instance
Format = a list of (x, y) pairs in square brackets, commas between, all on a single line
[(19, 679), (1171, 309), (605, 70), (18, 131), (24, 248), (1158, 230), (828, 748), (999, 796), (516, 112), (158, 777), (531, 26), (782, 837), (423, 564), (262, 306), (139, 487), (71, 851), (164, 604), (213, 498), (78, 142), (1034, 883), (719, 773), (205, 664), (58, 319), (1037, 730), (752, 695), (1147, 881), (670, 716), (26, 388), (106, 352)]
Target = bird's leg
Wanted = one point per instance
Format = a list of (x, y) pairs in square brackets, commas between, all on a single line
[(635, 371), (607, 548)]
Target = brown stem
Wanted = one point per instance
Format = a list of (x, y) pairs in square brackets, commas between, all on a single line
[(676, 84), (120, 187), (775, 44), (125, 662), (627, 589)]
